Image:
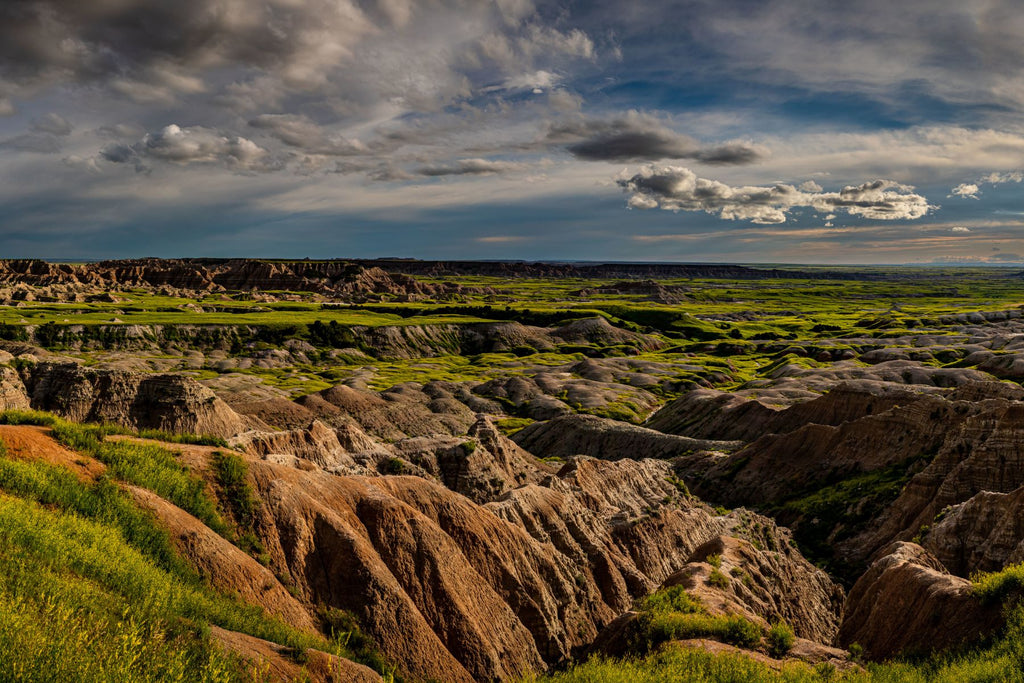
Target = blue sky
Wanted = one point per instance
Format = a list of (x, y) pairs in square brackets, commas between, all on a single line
[(693, 130)]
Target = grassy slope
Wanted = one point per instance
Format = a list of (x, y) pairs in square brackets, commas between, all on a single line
[(90, 586), (673, 614)]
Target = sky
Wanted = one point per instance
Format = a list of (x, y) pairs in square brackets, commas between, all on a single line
[(771, 131)]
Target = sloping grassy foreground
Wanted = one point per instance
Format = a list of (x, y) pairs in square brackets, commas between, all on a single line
[(91, 588), (673, 613)]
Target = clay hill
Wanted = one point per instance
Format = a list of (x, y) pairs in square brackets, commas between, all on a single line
[(469, 556)]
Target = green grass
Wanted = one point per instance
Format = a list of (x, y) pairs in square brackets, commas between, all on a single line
[(993, 587), (75, 589), (149, 466), (88, 577), (684, 665), (673, 614)]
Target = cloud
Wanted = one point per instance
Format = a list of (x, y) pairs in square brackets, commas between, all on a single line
[(300, 132), (52, 124), (959, 228), (501, 239), (354, 54), (44, 136), (196, 145), (972, 190), (965, 190), (675, 188), (636, 136), (472, 167)]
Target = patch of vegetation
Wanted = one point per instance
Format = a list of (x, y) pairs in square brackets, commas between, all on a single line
[(849, 504), (510, 425), (231, 472), (992, 587), (718, 579), (78, 602), (780, 639), (675, 614), (149, 466)]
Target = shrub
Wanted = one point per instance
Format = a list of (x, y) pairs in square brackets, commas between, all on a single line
[(995, 586), (393, 466), (674, 599), (780, 639), (718, 579)]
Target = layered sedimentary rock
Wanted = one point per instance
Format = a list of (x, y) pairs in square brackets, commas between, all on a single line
[(166, 402), (457, 591), (608, 440), (908, 603)]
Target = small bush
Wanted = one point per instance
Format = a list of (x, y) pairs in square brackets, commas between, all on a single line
[(733, 629), (715, 560), (674, 599), (780, 639), (718, 579), (232, 471), (995, 586), (393, 466)]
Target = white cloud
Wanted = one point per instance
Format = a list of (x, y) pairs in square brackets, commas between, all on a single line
[(959, 228), (965, 190), (675, 188), (195, 145)]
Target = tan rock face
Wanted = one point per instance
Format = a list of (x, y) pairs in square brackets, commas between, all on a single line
[(982, 534), (767, 581), (453, 590), (814, 455), (907, 602), (980, 452)]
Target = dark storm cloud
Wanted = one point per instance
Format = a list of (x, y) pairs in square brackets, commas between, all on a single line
[(155, 50), (641, 137), (675, 188)]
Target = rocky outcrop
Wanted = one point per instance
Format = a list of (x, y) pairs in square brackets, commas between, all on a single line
[(768, 580), (170, 403), (650, 289), (13, 394), (483, 466), (711, 414), (402, 411), (607, 439), (982, 534), (907, 603), (775, 467), (454, 590), (318, 444), (979, 453)]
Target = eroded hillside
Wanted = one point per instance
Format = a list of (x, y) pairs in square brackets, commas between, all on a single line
[(493, 491)]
